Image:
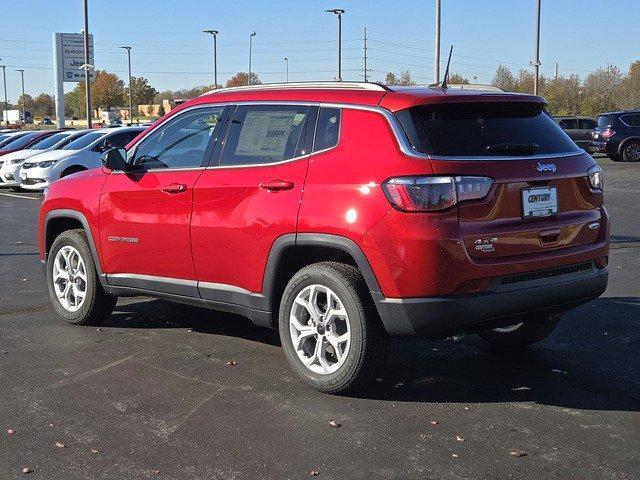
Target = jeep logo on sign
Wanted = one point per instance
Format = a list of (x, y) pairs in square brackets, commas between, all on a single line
[(546, 167)]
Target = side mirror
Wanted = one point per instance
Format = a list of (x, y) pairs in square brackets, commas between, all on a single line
[(115, 159)]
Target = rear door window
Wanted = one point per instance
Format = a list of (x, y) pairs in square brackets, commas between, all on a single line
[(605, 121), (263, 134), (587, 124), (631, 120), (484, 129), (327, 129), (569, 124)]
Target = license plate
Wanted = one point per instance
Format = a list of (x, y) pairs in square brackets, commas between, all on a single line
[(23, 176), (539, 202)]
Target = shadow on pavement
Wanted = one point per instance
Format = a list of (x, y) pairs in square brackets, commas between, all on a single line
[(590, 361)]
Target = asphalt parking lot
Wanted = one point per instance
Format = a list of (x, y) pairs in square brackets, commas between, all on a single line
[(149, 394)]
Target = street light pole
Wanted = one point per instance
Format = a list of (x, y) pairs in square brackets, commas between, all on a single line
[(339, 12), (537, 61), (436, 46), (4, 80), (251, 35), (87, 83), (24, 113), (215, 56), (128, 49), (286, 61)]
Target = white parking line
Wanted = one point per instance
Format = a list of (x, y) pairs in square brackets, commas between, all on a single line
[(19, 196)]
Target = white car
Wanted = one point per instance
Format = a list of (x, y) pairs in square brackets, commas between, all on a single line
[(81, 154), (12, 162)]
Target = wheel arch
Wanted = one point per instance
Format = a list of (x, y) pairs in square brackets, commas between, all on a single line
[(58, 221), (75, 168), (624, 143), (291, 252)]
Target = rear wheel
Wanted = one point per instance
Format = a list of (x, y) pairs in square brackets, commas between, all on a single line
[(330, 332), (521, 334), (631, 151), (73, 282)]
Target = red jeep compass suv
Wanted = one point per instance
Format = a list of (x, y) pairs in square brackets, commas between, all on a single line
[(342, 214)]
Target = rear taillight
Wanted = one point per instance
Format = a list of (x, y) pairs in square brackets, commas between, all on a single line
[(608, 133), (595, 177), (434, 193)]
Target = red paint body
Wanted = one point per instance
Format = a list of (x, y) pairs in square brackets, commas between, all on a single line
[(221, 228)]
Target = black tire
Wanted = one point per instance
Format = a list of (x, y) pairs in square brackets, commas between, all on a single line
[(631, 151), (368, 340), (531, 331), (16, 188), (614, 158), (97, 304), (70, 170)]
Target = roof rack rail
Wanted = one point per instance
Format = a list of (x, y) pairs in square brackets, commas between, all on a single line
[(476, 86), (302, 85)]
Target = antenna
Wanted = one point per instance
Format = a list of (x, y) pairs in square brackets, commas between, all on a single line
[(443, 83)]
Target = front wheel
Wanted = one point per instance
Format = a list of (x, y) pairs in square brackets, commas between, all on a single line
[(521, 334), (73, 282), (329, 329)]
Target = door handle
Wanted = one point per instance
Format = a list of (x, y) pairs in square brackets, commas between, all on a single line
[(277, 185), (174, 188)]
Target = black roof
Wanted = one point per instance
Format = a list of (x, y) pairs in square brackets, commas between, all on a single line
[(621, 112)]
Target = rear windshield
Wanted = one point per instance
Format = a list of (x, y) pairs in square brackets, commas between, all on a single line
[(84, 141), (484, 129), (605, 121)]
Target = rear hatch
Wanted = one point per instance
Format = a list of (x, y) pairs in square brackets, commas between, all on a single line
[(540, 200)]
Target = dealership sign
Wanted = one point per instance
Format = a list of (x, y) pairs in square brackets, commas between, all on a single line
[(68, 51)]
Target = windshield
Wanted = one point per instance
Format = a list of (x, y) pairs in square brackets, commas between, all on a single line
[(21, 142), (84, 141), (47, 142), (484, 129), (605, 121)]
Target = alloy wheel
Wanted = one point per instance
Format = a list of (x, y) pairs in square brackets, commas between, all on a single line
[(319, 329), (632, 152), (69, 278)]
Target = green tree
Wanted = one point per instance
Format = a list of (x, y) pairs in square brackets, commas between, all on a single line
[(457, 79), (27, 100), (600, 91), (563, 95), (44, 105), (390, 79), (504, 79), (629, 89), (161, 111), (404, 78), (141, 91)]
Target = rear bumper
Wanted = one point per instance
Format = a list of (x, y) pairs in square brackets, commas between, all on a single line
[(440, 317)]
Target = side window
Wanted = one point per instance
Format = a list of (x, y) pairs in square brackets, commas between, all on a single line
[(631, 120), (327, 129), (119, 140), (265, 134), (569, 124), (181, 142), (587, 124)]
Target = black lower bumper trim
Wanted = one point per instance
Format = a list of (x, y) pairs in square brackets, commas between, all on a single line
[(441, 317)]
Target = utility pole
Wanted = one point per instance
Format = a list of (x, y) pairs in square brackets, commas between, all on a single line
[(4, 80), (339, 12), (286, 61), (214, 33), (366, 70), (87, 74), (24, 115), (537, 61), (557, 70), (436, 46), (128, 49), (251, 35)]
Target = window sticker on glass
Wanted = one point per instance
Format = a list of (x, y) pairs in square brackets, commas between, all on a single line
[(266, 133)]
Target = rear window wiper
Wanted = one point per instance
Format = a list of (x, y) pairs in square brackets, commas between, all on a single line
[(514, 148)]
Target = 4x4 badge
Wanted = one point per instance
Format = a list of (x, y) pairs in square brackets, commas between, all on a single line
[(486, 245)]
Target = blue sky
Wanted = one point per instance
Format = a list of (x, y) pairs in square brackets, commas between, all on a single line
[(170, 50)]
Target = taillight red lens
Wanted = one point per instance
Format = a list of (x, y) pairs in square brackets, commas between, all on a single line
[(434, 193), (608, 133)]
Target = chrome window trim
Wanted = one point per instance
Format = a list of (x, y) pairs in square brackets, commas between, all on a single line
[(540, 156)]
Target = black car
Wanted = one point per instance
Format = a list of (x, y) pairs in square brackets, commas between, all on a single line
[(579, 129), (618, 136)]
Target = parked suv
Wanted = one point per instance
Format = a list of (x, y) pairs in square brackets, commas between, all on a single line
[(579, 129), (340, 214), (618, 136)]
